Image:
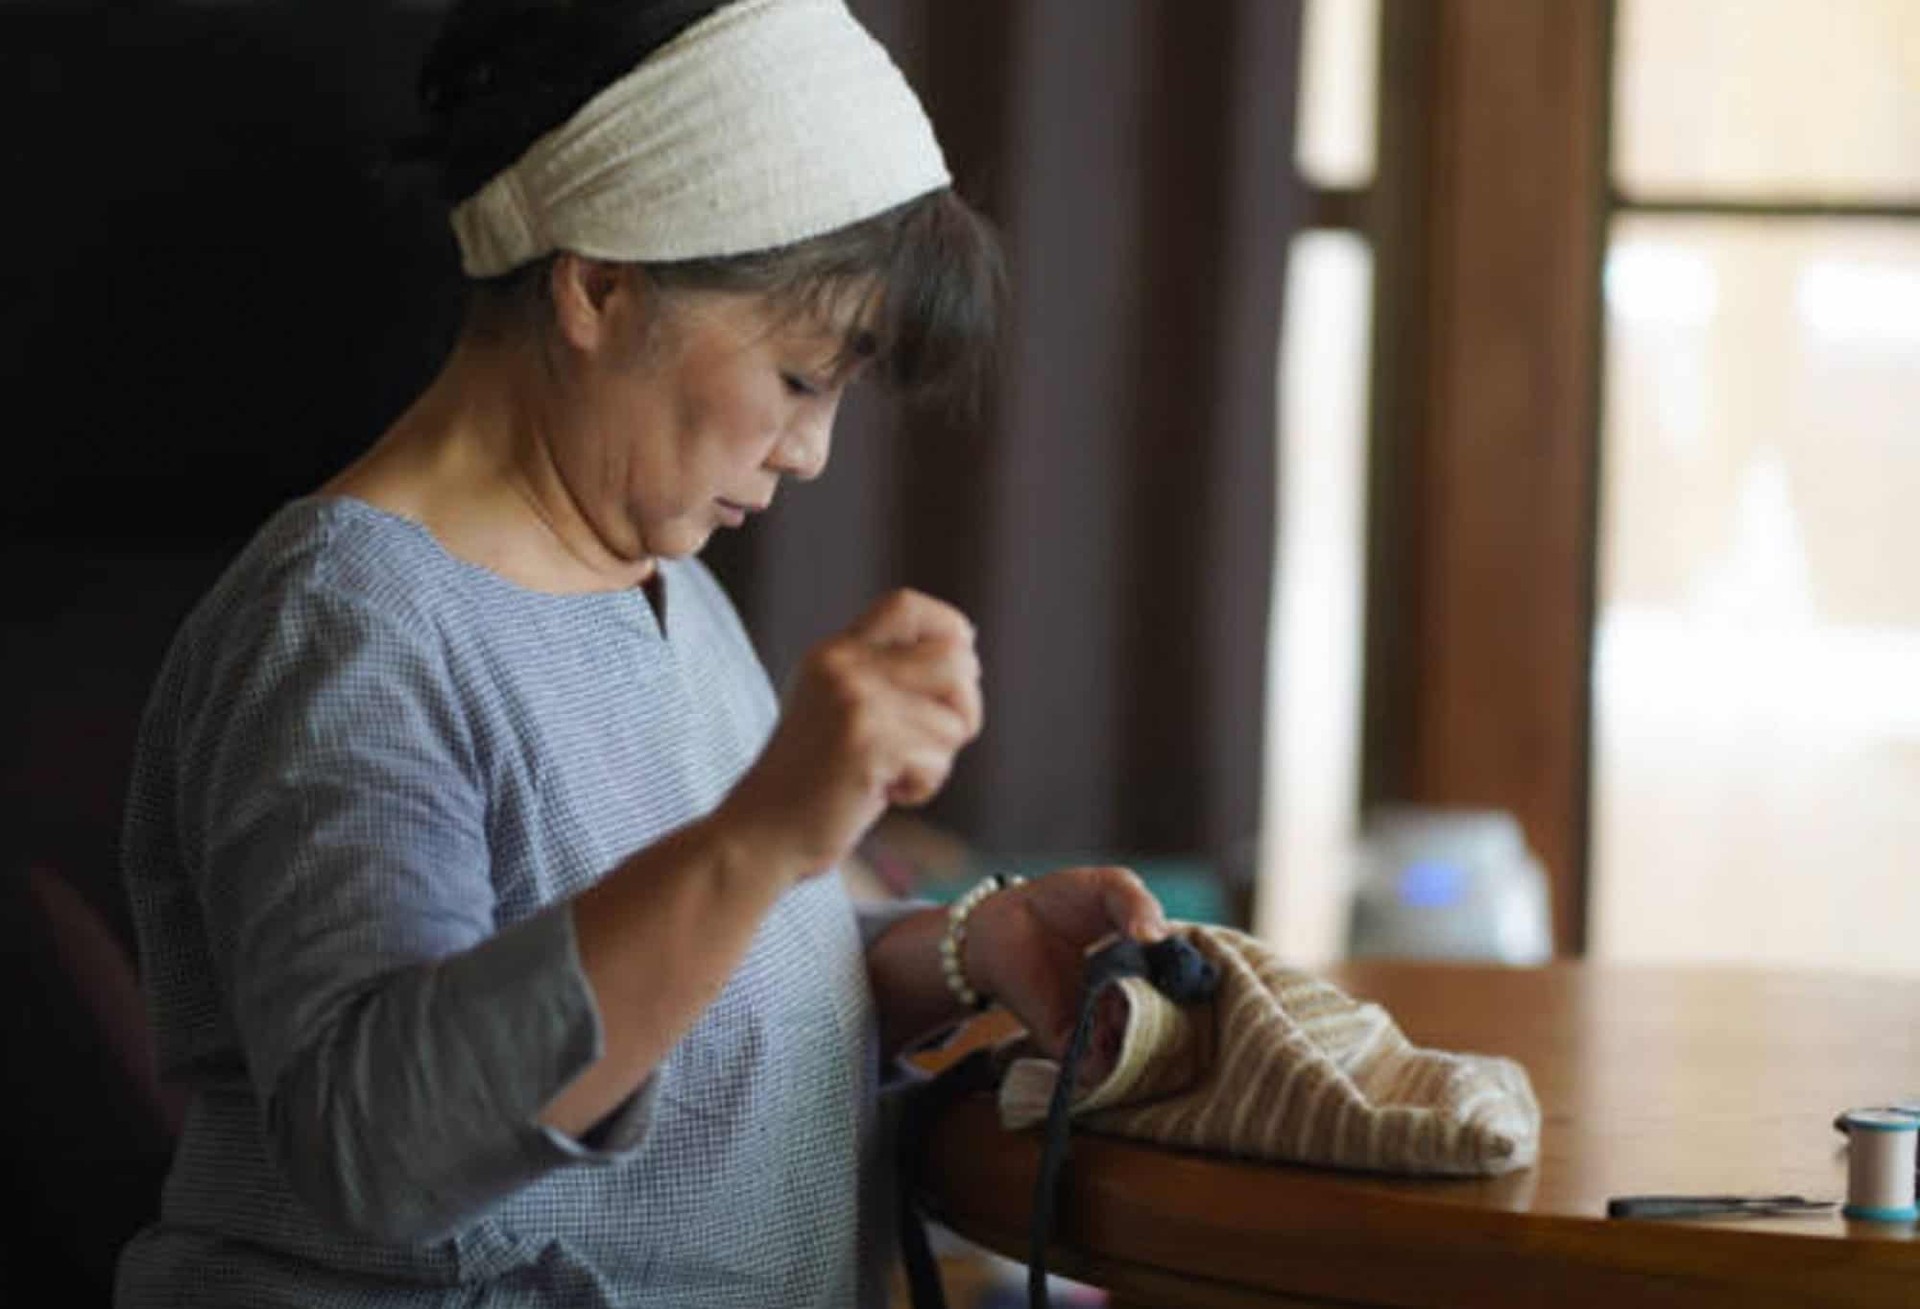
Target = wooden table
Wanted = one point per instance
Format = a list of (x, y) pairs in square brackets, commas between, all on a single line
[(1690, 1081)]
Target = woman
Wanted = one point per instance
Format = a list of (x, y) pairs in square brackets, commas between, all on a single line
[(486, 895)]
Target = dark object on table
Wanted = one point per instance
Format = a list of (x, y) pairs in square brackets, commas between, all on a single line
[(1714, 1206)]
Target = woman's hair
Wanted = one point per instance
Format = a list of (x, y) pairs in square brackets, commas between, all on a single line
[(503, 73)]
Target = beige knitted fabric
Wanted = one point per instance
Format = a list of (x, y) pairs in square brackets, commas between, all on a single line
[(1282, 1066)]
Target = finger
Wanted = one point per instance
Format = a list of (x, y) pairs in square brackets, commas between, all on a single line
[(1054, 1005), (920, 778), (924, 766), (1103, 1048), (926, 736), (1132, 908), (949, 675), (1088, 904), (907, 617), (923, 722), (879, 681)]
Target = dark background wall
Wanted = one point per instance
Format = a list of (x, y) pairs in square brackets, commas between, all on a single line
[(212, 295), (225, 286)]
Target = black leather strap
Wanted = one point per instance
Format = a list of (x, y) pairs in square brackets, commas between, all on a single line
[(1180, 972), (1174, 966), (921, 1109)]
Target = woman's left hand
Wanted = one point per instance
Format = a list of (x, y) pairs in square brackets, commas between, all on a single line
[(1027, 947)]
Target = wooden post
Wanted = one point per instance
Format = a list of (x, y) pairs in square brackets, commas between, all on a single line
[(1490, 226)]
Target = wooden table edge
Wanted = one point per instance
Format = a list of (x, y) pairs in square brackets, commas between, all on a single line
[(1327, 1247)]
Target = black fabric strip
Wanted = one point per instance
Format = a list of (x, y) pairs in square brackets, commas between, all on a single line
[(1175, 967), (920, 1111), (1180, 972)]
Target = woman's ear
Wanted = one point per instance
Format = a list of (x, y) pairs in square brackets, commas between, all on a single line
[(588, 298)]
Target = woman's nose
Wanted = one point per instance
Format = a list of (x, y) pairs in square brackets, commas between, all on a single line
[(802, 452)]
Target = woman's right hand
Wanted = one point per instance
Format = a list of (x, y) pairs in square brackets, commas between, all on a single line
[(873, 718)]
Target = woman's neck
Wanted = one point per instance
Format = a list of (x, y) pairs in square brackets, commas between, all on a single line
[(471, 460)]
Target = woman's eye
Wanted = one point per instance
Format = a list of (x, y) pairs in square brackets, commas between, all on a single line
[(797, 385)]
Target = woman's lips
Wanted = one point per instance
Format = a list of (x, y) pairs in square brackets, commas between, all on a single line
[(735, 513)]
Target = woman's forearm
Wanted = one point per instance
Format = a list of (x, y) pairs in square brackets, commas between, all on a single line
[(909, 990), (658, 938)]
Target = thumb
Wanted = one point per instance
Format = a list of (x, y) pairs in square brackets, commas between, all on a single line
[(1132, 908), (908, 617)]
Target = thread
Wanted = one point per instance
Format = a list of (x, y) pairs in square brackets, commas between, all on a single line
[(1880, 1165)]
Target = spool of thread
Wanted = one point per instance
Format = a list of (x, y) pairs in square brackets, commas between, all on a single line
[(1880, 1165), (1909, 1106)]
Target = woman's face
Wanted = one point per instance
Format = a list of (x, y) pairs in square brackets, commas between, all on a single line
[(694, 413)]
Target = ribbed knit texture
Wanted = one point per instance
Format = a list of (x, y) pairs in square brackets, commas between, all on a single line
[(1285, 1067)]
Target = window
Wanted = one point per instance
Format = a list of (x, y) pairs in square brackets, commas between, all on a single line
[(1756, 662), (1318, 617)]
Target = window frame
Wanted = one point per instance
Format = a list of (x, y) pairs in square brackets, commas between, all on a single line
[(1490, 219)]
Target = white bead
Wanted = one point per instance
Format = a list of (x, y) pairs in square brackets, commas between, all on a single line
[(954, 939)]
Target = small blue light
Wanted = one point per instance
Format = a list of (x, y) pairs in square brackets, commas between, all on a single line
[(1431, 884)]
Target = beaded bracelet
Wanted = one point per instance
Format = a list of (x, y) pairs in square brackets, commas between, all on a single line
[(955, 940)]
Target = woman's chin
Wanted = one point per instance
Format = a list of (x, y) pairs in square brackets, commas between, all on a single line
[(676, 538), (683, 542)]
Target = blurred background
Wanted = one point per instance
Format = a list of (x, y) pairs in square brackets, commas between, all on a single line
[(1451, 492)]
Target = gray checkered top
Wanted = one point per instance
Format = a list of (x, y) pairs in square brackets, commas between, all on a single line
[(368, 776)]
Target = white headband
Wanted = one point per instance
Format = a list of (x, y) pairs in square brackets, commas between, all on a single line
[(767, 122)]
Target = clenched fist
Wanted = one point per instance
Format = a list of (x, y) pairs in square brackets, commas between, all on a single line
[(873, 718)]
